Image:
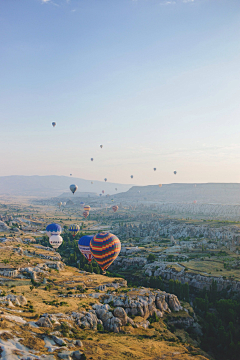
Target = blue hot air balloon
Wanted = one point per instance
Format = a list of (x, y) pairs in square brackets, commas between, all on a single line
[(73, 188), (54, 124), (84, 246), (53, 229)]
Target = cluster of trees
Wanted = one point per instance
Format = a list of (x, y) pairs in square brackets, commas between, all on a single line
[(219, 314)]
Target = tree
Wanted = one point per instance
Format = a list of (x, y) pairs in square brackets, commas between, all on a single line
[(151, 258)]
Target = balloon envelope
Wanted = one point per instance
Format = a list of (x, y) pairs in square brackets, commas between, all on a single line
[(87, 208), (175, 173), (74, 229), (84, 246), (53, 229), (101, 146), (160, 185), (73, 188), (55, 241), (154, 169), (105, 179), (54, 124), (105, 248), (85, 214), (131, 176), (91, 159), (115, 208)]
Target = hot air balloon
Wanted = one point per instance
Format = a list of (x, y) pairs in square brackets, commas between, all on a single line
[(103, 191), (53, 229), (84, 246), (116, 189), (82, 203), (85, 214), (154, 169), (70, 174), (91, 159), (105, 179), (105, 248), (115, 208), (74, 229), (101, 146), (55, 241), (160, 185), (131, 176), (175, 173), (60, 204), (112, 199), (73, 188), (91, 182), (87, 208), (195, 201), (100, 194), (54, 124)]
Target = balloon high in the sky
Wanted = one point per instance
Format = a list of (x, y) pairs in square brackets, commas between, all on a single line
[(105, 248), (175, 173), (154, 169), (131, 176), (54, 124), (84, 246), (70, 174), (103, 191), (116, 189), (85, 214), (115, 208), (73, 188), (160, 185), (91, 182), (53, 229), (101, 146), (55, 241), (105, 179), (74, 229), (91, 159)]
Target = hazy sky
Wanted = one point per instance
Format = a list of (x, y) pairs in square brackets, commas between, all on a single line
[(156, 82)]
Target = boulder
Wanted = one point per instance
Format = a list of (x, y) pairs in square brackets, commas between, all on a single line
[(59, 341), (22, 300), (120, 313), (44, 322)]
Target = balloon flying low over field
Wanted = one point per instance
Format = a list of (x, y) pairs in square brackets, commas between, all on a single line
[(84, 246), (53, 229), (55, 241), (85, 214), (105, 248), (87, 208), (74, 229)]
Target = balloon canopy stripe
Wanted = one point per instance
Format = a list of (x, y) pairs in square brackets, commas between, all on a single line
[(105, 248)]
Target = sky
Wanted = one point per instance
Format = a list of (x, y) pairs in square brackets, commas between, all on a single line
[(157, 83)]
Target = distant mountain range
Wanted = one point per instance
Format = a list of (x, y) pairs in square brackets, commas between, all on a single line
[(215, 193), (50, 186)]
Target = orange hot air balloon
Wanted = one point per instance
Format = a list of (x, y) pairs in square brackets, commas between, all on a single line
[(87, 208), (115, 208)]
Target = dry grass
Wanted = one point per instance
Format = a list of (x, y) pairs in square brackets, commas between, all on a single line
[(6, 336), (34, 343)]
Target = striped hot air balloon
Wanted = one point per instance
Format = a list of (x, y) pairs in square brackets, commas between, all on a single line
[(74, 229), (115, 208), (85, 214), (105, 248), (87, 208), (83, 245)]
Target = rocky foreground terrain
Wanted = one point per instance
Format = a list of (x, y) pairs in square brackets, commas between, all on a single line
[(52, 311)]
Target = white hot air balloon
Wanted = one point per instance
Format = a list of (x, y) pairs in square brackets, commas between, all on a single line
[(55, 241)]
